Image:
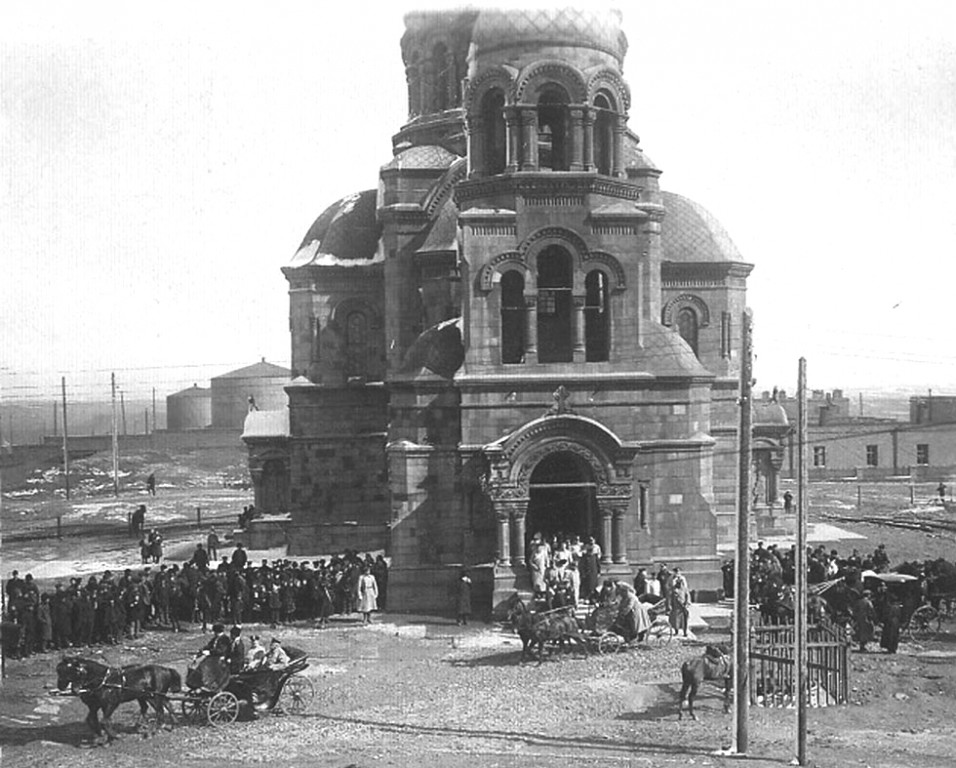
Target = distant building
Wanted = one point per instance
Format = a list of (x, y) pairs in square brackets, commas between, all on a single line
[(263, 382), (842, 446), (189, 409)]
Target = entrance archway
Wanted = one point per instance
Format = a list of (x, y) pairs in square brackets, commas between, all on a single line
[(562, 498)]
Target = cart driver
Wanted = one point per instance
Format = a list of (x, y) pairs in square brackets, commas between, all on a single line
[(219, 644), (276, 658)]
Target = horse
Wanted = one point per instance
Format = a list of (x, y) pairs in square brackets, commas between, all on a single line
[(104, 688), (714, 664), (535, 630)]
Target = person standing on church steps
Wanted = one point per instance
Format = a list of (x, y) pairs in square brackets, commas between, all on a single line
[(590, 568)]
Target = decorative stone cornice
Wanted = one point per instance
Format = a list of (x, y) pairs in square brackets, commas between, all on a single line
[(535, 184)]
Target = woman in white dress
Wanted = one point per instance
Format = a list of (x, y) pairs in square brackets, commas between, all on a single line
[(367, 595)]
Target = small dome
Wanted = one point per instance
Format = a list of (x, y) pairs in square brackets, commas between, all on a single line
[(690, 233), (425, 157), (769, 414), (347, 230), (601, 30)]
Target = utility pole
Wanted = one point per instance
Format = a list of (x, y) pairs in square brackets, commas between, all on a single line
[(742, 570), (66, 443), (154, 409), (115, 439), (800, 610), (123, 411)]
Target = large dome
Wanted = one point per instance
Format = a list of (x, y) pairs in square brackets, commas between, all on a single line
[(690, 233), (345, 231), (496, 29)]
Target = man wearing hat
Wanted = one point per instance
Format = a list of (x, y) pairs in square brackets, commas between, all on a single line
[(237, 650), (219, 644)]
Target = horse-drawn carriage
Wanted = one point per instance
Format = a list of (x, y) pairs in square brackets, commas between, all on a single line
[(212, 695), (604, 636), (216, 696)]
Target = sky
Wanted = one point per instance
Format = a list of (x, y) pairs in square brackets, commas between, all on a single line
[(158, 167)]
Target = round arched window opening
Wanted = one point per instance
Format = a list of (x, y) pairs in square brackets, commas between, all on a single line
[(553, 129), (512, 317), (554, 305)]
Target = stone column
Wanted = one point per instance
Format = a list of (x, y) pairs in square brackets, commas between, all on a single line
[(617, 169), (529, 139), (477, 163), (577, 138), (531, 328), (607, 541), (504, 534), (512, 139), (588, 145), (413, 78), (578, 351), (618, 541), (518, 529)]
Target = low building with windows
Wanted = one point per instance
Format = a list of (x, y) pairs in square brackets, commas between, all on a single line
[(516, 331)]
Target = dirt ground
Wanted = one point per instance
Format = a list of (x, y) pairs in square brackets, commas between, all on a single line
[(420, 691)]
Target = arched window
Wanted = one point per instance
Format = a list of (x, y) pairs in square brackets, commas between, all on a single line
[(604, 134), (356, 344), (553, 129), (687, 326), (442, 68), (493, 122), (512, 317), (596, 317), (554, 306)]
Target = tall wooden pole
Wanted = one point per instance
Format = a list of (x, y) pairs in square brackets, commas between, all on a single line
[(154, 409), (800, 616), (66, 442), (115, 439), (742, 569)]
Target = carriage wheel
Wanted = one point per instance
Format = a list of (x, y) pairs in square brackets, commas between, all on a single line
[(924, 623), (297, 695), (660, 633), (609, 642), (222, 709), (191, 709)]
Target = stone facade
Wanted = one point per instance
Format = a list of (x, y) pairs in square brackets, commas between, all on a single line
[(518, 332)]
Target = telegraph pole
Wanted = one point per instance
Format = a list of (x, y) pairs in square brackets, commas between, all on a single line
[(742, 570), (154, 409), (800, 610), (66, 444), (115, 439)]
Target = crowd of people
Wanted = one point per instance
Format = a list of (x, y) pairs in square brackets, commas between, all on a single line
[(106, 609), (565, 570)]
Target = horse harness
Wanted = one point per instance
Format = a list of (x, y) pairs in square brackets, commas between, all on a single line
[(102, 684)]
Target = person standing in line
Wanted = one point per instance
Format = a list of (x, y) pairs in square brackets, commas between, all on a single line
[(367, 595), (463, 597)]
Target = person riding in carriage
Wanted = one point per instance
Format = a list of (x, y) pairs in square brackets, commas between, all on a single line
[(220, 644), (633, 620)]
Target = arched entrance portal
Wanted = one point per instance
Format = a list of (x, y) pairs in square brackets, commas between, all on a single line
[(562, 498)]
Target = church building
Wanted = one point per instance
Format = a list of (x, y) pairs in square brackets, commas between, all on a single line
[(515, 331)]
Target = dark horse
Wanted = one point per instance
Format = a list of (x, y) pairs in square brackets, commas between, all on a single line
[(104, 688), (538, 629), (714, 664)]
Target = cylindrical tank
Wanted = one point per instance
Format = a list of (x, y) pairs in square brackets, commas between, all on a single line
[(263, 382), (189, 409)]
